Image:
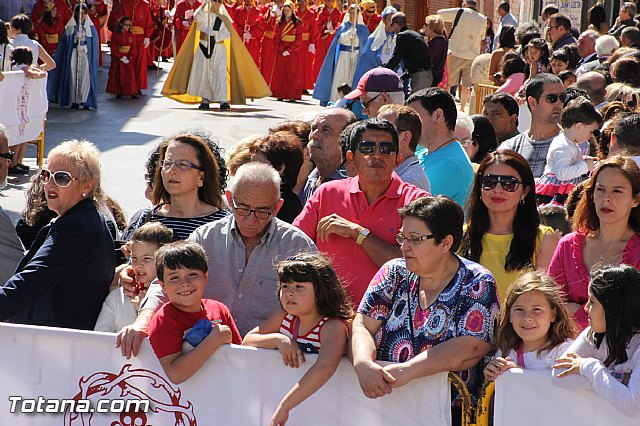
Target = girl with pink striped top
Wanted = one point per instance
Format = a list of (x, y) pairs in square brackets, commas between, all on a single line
[(316, 312)]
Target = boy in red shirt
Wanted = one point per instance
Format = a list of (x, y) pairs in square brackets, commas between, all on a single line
[(182, 272)]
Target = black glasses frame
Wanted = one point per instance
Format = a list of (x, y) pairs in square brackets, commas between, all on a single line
[(245, 212), (7, 155), (369, 148), (508, 183)]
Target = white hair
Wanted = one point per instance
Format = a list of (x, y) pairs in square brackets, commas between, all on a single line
[(606, 45), (3, 130), (254, 174), (465, 121)]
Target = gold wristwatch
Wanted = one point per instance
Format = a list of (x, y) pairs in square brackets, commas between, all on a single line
[(364, 233)]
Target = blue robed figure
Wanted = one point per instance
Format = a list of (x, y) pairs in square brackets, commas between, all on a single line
[(74, 81), (379, 47), (341, 62)]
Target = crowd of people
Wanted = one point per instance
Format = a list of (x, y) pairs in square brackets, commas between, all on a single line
[(418, 235)]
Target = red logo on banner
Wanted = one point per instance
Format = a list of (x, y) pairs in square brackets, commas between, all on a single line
[(164, 406)]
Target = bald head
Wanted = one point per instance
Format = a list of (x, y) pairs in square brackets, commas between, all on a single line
[(595, 84)]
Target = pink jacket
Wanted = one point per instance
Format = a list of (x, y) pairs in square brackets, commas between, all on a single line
[(568, 270)]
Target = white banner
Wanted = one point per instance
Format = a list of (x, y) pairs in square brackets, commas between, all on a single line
[(526, 397), (23, 106), (238, 386)]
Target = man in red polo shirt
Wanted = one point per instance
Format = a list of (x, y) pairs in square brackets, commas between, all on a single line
[(355, 220)]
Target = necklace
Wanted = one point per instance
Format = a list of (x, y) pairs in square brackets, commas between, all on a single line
[(606, 251), (443, 145)]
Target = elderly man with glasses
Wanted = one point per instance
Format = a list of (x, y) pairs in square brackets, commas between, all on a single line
[(545, 97), (241, 249), (355, 220)]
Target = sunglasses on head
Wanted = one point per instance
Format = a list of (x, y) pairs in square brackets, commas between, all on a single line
[(368, 148), (552, 98), (508, 183), (60, 178)]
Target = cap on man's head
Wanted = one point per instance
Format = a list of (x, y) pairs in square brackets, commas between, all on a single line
[(376, 80)]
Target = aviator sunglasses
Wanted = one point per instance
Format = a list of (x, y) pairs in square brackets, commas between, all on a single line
[(508, 183), (60, 178), (368, 148)]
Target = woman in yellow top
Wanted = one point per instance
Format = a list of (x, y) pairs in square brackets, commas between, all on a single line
[(503, 231)]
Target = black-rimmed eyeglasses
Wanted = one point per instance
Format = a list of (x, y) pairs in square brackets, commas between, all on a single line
[(7, 155), (259, 214)]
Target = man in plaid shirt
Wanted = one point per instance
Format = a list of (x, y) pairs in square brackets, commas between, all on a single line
[(544, 95)]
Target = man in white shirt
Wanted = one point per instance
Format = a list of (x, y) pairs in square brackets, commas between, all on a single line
[(506, 18), (464, 44)]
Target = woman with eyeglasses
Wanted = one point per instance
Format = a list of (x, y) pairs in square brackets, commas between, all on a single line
[(607, 228), (503, 231), (427, 312), (64, 277), (187, 186)]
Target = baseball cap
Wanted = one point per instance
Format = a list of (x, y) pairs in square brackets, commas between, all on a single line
[(376, 80)]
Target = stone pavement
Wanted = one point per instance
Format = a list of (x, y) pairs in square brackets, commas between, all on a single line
[(126, 130)]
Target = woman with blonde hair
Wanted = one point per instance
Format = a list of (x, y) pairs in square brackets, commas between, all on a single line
[(630, 96), (438, 45), (64, 278)]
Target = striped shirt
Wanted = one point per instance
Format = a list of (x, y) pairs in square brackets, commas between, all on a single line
[(182, 227), (310, 342), (534, 151)]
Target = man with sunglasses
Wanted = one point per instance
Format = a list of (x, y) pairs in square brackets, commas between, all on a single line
[(241, 249), (11, 250), (559, 31), (545, 96), (355, 220), (377, 87)]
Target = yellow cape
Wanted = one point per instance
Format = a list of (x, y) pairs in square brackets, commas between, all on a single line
[(244, 80)]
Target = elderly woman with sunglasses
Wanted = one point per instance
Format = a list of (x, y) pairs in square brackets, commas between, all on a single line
[(427, 312), (503, 231), (607, 231), (64, 277)]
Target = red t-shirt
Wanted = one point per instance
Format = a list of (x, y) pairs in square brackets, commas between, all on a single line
[(169, 324)]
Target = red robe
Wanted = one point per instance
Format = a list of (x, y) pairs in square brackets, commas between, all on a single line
[(287, 81), (181, 32), (95, 14), (371, 21), (268, 53), (308, 21), (141, 28), (162, 32), (122, 79), (324, 39), (252, 21), (64, 7), (49, 35)]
